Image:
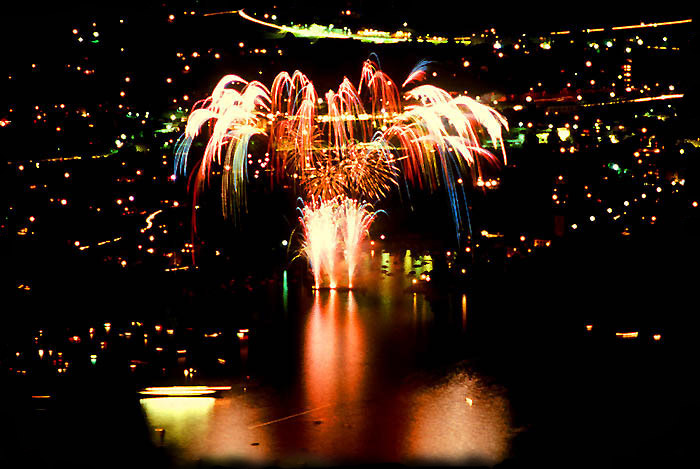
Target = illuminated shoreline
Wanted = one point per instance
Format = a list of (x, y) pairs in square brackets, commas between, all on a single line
[(315, 31)]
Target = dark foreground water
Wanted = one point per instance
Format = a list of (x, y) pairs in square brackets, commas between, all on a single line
[(505, 372), (352, 386)]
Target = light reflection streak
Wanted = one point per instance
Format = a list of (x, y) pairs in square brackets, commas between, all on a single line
[(321, 352), (384, 287), (407, 262), (355, 350), (285, 292), (298, 414), (464, 312)]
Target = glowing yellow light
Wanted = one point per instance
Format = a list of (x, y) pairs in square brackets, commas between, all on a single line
[(563, 133), (627, 335), (183, 390)]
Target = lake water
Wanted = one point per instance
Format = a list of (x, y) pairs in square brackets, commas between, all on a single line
[(359, 376), (533, 367)]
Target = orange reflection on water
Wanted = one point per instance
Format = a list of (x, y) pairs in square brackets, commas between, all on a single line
[(458, 421), (334, 349), (464, 312), (320, 353), (333, 369), (231, 434), (355, 347), (358, 395)]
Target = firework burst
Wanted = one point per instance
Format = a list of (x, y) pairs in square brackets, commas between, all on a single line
[(358, 144), (330, 228)]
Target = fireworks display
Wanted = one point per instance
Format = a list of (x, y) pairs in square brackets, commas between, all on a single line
[(330, 226), (242, 238), (343, 151)]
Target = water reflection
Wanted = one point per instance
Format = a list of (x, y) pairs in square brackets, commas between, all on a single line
[(464, 312), (459, 420), (184, 419), (285, 292), (232, 436), (334, 350), (321, 353), (362, 391)]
